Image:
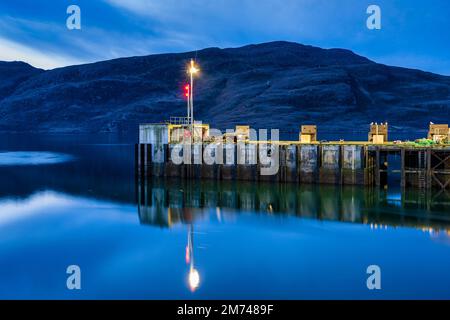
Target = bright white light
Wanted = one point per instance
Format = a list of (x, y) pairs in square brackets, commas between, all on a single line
[(193, 69), (194, 279)]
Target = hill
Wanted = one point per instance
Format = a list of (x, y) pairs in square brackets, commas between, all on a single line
[(270, 85)]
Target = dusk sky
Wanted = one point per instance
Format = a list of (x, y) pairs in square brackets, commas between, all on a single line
[(415, 33)]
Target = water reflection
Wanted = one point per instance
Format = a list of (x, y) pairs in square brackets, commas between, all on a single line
[(173, 203), (168, 203), (20, 158), (194, 276), (84, 212), (12, 210)]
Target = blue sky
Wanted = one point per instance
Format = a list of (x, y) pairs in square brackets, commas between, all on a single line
[(415, 33)]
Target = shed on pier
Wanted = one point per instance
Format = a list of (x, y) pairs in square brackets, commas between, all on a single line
[(308, 134), (166, 133), (378, 133), (439, 133)]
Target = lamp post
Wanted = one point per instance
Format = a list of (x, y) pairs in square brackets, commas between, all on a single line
[(192, 71)]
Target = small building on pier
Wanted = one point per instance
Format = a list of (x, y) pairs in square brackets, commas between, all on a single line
[(173, 132), (308, 134), (439, 133), (378, 133)]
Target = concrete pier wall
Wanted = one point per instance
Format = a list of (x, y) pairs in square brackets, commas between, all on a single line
[(270, 162), (158, 160), (213, 157), (295, 163), (291, 164), (309, 164), (228, 169), (330, 172), (153, 134), (353, 172), (247, 159)]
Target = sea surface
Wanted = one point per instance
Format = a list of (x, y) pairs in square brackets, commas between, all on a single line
[(75, 201)]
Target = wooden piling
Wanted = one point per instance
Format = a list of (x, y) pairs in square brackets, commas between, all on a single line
[(377, 167), (403, 173)]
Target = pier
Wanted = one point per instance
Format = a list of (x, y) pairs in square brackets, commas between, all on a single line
[(312, 162)]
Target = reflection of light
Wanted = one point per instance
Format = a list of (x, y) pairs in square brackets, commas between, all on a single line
[(188, 255), (219, 214), (194, 279), (194, 276), (394, 196), (378, 226), (394, 199)]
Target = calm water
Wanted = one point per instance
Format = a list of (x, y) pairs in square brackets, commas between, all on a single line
[(75, 201)]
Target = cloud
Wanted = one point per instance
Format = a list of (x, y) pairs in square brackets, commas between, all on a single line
[(49, 45), (13, 51), (243, 21), (28, 40)]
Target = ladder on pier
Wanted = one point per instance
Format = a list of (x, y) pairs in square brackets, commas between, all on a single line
[(422, 170), (422, 178)]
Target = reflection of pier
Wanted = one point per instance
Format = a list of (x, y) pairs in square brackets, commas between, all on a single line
[(162, 206), (169, 202)]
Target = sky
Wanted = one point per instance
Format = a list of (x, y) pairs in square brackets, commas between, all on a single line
[(414, 33)]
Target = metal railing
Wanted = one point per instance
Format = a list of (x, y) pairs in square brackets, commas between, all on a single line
[(180, 120)]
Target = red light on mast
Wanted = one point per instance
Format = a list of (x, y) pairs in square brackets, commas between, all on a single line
[(187, 91)]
